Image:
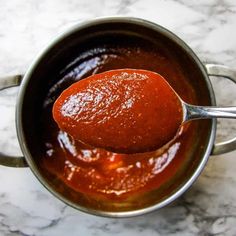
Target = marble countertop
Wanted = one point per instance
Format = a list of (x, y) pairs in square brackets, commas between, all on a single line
[(207, 208)]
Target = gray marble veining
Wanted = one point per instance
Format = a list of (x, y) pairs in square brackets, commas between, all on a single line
[(208, 208)]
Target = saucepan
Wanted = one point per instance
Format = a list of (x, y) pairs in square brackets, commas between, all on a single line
[(36, 81)]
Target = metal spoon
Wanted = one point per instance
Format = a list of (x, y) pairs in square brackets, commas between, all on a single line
[(85, 111)]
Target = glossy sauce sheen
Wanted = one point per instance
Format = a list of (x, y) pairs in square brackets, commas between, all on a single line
[(125, 111), (100, 174)]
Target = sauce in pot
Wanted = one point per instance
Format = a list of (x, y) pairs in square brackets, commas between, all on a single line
[(103, 174)]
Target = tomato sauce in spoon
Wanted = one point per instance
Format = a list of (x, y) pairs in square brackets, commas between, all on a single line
[(124, 111)]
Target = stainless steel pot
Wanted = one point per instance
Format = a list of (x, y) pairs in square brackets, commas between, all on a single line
[(32, 82)]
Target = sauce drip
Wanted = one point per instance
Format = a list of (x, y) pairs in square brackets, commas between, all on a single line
[(124, 111)]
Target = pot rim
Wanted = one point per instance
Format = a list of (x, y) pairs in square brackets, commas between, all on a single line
[(30, 71)]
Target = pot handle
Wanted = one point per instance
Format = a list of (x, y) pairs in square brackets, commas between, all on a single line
[(6, 160), (226, 72)]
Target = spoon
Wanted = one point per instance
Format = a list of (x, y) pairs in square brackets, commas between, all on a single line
[(191, 112), (127, 111)]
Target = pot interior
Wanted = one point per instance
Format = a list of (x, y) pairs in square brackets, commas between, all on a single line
[(97, 47)]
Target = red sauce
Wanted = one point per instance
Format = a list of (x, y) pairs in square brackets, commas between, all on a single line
[(125, 111), (99, 172), (83, 172)]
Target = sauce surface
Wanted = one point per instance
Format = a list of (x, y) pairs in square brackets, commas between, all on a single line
[(99, 172), (93, 173), (124, 111)]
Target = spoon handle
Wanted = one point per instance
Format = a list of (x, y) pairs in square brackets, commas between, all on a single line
[(192, 112)]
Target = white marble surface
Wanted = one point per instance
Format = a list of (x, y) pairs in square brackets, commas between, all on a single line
[(208, 208)]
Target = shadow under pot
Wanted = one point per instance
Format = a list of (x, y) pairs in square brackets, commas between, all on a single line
[(94, 180)]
